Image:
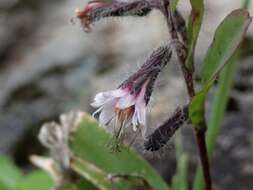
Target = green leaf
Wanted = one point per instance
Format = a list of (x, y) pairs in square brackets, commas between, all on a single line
[(38, 180), (197, 106), (227, 37), (81, 184), (84, 184), (182, 172), (219, 106), (182, 165), (89, 144), (218, 109), (9, 174), (101, 179), (246, 4), (90, 172), (194, 26)]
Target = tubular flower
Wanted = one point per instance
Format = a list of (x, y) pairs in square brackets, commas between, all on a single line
[(97, 9), (127, 104), (166, 130)]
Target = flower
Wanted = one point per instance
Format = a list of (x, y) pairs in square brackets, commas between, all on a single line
[(128, 108), (127, 104)]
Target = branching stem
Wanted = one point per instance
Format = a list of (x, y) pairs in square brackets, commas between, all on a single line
[(188, 77)]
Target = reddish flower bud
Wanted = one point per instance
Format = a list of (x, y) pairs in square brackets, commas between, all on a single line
[(95, 10)]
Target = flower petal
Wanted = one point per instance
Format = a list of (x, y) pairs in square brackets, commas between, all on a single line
[(135, 119), (141, 95), (119, 92), (107, 113), (126, 101), (103, 97), (141, 113)]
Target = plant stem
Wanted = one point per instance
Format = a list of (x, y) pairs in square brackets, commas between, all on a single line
[(188, 77), (201, 140), (179, 48)]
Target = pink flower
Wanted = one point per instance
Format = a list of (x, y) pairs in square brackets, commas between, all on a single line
[(127, 104), (123, 106)]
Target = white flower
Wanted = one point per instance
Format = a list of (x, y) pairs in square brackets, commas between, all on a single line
[(127, 104), (127, 108)]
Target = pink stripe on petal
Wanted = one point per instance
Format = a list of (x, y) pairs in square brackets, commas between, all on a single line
[(141, 113), (141, 95)]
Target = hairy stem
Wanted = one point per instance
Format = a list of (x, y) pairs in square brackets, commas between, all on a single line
[(188, 77), (179, 48)]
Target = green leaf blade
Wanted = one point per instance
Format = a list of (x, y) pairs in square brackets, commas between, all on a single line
[(9, 174), (194, 26), (89, 143), (218, 110), (197, 106), (227, 38), (38, 180)]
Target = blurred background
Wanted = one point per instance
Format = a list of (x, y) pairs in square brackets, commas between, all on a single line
[(48, 66)]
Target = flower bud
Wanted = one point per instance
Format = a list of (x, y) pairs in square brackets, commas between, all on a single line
[(165, 131), (96, 10)]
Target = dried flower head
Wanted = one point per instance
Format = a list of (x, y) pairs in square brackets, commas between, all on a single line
[(56, 137), (126, 105)]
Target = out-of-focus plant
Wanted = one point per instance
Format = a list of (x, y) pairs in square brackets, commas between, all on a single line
[(79, 157), (12, 178)]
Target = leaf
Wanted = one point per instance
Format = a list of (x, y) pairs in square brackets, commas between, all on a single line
[(194, 26), (197, 106), (89, 144), (91, 173), (219, 104), (246, 4), (36, 180), (9, 174), (180, 179), (227, 37), (102, 180), (81, 184), (182, 170), (218, 109), (84, 184)]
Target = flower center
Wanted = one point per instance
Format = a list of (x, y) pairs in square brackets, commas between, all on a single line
[(124, 115)]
